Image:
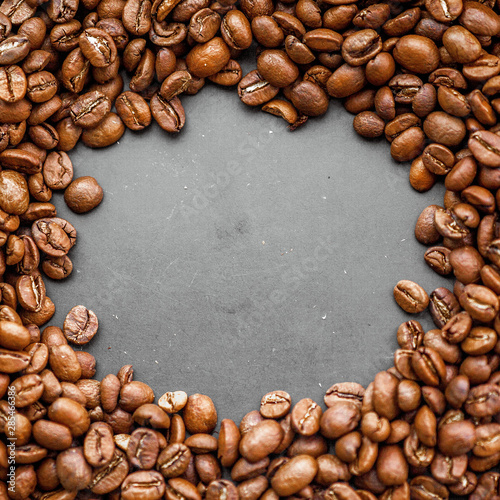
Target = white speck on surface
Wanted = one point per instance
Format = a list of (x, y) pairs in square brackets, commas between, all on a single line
[(323, 317), (124, 352), (156, 361), (404, 239), (319, 383), (324, 197), (270, 131), (345, 272)]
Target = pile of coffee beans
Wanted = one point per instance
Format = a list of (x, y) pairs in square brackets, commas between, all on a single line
[(425, 74), (427, 429)]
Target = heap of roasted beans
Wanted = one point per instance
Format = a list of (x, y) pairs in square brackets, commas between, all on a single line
[(426, 74)]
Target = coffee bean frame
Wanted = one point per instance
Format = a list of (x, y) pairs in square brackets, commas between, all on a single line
[(228, 259)]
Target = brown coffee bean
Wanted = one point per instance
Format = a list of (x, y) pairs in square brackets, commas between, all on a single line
[(416, 53), (31, 292), (109, 131), (199, 414), (143, 448), (428, 366), (89, 109), (209, 58), (254, 90), (174, 460), (345, 81), (261, 440), (339, 419), (392, 468), (133, 110), (410, 296), (287, 481), (236, 30), (277, 68), (461, 44), (368, 124), (14, 191), (64, 363), (228, 442), (456, 438), (485, 146), (480, 20), (444, 129), (13, 83), (70, 413), (361, 47), (135, 394), (309, 99), (83, 194), (480, 302), (98, 47), (80, 325)]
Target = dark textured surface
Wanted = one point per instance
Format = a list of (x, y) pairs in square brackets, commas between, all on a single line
[(238, 258)]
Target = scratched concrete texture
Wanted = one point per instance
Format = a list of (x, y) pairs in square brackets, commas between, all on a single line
[(238, 257)]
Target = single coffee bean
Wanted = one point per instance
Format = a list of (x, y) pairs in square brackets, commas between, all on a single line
[(368, 124), (89, 109), (485, 146), (254, 90), (107, 132), (98, 47), (410, 296), (83, 194), (277, 68), (417, 53), (199, 414), (80, 325), (286, 481), (261, 440), (209, 58), (361, 47)]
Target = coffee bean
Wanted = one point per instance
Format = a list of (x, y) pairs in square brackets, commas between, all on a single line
[(410, 296), (98, 47), (148, 484), (107, 132), (89, 109), (80, 325), (168, 114), (275, 404), (83, 194), (254, 90)]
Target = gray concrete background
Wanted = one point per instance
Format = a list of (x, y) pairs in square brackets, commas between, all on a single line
[(238, 257)]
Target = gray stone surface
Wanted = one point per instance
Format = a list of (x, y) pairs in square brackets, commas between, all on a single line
[(238, 257)]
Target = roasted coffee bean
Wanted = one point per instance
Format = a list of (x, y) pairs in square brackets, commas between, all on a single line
[(107, 132), (209, 58), (277, 68), (133, 110), (89, 109), (254, 90), (83, 194), (368, 124), (168, 114), (485, 146), (98, 47), (80, 325), (428, 366), (410, 296)]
